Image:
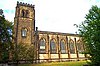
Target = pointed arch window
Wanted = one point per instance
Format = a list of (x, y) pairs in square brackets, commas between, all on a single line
[(24, 32), (23, 13), (27, 13), (53, 46), (72, 47), (79, 46), (62, 46), (42, 46)]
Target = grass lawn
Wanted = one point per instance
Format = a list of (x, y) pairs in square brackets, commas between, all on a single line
[(74, 63)]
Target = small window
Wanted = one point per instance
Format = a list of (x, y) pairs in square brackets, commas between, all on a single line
[(24, 32), (27, 13), (23, 13)]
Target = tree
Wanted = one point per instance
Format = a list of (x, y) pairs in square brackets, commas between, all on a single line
[(25, 52), (90, 31), (5, 38)]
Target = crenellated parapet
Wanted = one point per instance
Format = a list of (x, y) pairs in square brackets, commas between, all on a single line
[(24, 4)]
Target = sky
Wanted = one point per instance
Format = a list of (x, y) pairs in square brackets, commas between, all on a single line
[(53, 15)]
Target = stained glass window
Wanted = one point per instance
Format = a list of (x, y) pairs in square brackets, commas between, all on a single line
[(63, 46), (52, 46), (72, 47), (80, 47), (42, 46)]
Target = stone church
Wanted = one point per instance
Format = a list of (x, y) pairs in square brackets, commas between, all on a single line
[(49, 46)]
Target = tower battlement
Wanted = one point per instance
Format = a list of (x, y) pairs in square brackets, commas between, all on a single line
[(24, 4)]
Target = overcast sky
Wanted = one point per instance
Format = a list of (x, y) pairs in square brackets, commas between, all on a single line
[(53, 15)]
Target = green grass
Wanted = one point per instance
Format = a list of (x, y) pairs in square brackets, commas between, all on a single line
[(74, 63)]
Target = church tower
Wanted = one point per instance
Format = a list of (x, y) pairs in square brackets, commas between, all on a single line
[(24, 23)]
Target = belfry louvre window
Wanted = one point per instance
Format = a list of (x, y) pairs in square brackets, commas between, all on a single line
[(24, 32), (42, 46), (52, 47), (27, 13), (72, 47), (62, 46), (23, 13)]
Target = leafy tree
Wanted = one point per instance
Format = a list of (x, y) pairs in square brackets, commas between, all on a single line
[(25, 52), (5, 38), (90, 31)]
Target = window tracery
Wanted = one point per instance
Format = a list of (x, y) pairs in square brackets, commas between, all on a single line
[(52, 46), (42, 46), (24, 32), (62, 46), (72, 47)]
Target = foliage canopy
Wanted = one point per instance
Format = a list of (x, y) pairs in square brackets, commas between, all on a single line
[(90, 31), (5, 38)]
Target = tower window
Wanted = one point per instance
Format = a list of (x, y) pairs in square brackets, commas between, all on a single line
[(23, 13), (24, 32), (26, 15)]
